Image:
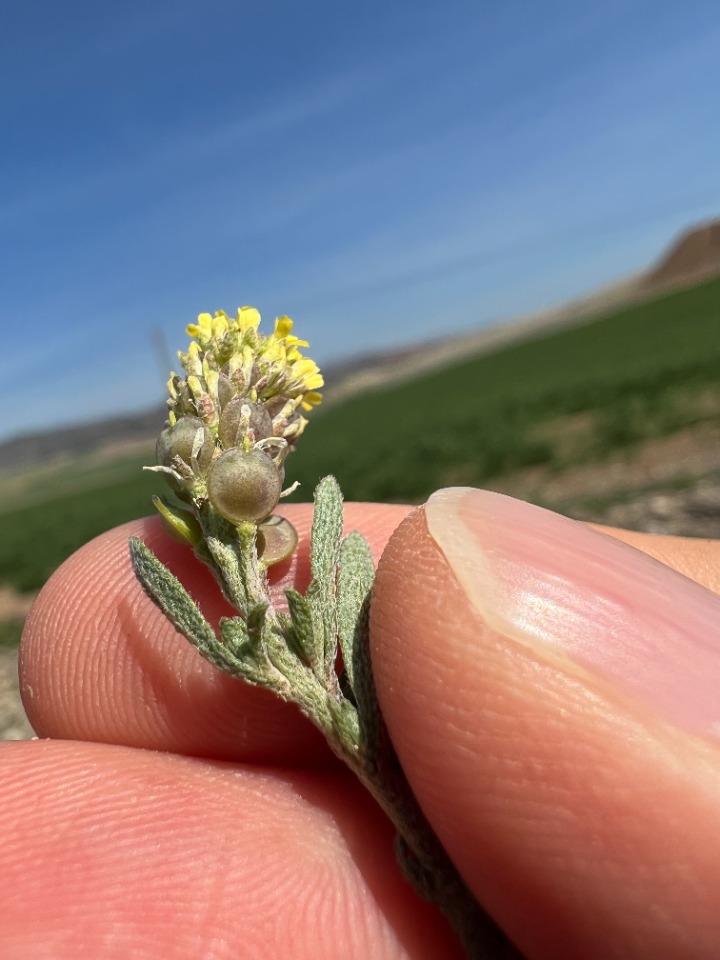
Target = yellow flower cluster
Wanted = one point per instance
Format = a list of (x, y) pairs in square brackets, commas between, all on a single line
[(229, 361), (235, 416), (270, 366)]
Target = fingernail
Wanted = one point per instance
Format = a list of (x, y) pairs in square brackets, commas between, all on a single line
[(585, 600)]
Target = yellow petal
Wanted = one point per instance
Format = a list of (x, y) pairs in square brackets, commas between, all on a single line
[(273, 352), (205, 324), (220, 326), (248, 318), (283, 326), (304, 367)]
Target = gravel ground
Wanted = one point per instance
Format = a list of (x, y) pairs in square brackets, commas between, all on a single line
[(13, 722)]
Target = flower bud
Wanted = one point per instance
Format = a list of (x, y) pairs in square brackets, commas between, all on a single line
[(244, 487), (181, 439)]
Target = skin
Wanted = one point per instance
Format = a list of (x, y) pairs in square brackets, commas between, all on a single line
[(175, 812)]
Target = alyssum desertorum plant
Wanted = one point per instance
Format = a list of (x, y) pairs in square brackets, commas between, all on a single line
[(236, 412)]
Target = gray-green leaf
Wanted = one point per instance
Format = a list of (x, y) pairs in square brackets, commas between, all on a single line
[(172, 598), (356, 573), (324, 548), (301, 633)]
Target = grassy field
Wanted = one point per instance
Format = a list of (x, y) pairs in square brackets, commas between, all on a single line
[(572, 397), (52, 513)]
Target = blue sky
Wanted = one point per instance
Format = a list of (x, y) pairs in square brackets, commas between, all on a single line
[(381, 171)]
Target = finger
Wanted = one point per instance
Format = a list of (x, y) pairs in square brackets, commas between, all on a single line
[(695, 558), (552, 695), (100, 662), (114, 853)]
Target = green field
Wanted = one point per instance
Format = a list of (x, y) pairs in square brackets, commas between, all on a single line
[(570, 397), (574, 396), (52, 513)]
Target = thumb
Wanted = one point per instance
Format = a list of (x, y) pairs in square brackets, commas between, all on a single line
[(553, 696)]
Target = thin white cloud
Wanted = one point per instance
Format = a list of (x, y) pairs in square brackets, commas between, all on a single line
[(189, 145)]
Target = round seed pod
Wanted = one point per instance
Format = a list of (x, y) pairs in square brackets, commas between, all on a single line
[(233, 425), (178, 441), (274, 405), (244, 487), (226, 389), (277, 540)]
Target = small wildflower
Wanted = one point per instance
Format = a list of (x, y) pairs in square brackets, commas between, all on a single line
[(235, 414)]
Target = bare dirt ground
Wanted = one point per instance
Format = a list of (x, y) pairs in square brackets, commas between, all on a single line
[(14, 724), (13, 605), (669, 485)]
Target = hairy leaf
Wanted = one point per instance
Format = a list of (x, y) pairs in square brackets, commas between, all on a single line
[(356, 573), (172, 598), (324, 550)]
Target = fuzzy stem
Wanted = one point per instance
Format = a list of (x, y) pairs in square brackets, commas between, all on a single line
[(232, 555), (423, 859)]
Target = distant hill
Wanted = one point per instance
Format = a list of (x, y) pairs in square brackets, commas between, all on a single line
[(693, 256), (80, 438)]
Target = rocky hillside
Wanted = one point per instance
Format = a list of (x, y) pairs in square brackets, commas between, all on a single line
[(30, 449), (694, 256)]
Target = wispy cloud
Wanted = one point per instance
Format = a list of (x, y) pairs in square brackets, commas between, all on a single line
[(377, 170)]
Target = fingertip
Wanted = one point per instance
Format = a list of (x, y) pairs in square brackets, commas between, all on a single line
[(549, 791), (115, 852), (98, 660)]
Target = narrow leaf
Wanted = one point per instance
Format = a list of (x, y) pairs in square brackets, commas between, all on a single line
[(235, 637), (172, 598), (356, 574), (326, 530), (250, 658), (300, 632), (324, 549), (256, 621)]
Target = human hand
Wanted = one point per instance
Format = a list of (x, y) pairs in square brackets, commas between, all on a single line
[(555, 718)]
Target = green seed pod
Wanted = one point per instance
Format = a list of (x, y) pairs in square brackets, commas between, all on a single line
[(244, 487), (234, 425), (277, 540), (180, 440)]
